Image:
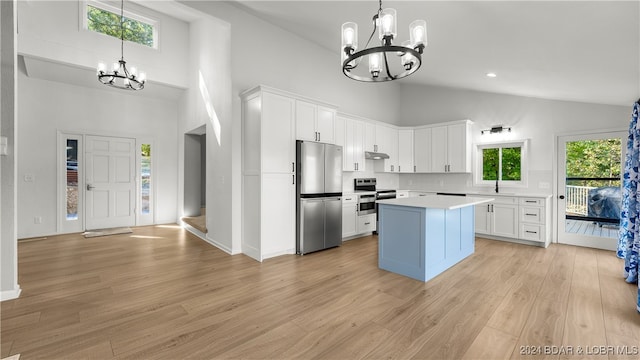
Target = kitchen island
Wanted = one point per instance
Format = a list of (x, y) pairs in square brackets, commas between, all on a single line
[(421, 237)]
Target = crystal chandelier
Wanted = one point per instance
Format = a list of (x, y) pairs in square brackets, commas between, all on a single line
[(119, 77), (406, 58)]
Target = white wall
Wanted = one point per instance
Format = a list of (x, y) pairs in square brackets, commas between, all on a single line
[(260, 53), (47, 107), (208, 102), (54, 30), (9, 287), (536, 119)]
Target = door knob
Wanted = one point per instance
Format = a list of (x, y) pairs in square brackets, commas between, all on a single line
[(561, 197)]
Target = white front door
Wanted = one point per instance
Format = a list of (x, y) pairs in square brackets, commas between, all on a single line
[(589, 193), (110, 190)]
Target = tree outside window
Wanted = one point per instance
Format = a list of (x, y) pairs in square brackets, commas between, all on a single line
[(108, 23), (502, 163)]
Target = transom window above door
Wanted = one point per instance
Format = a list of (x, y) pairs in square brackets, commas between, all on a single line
[(104, 18)]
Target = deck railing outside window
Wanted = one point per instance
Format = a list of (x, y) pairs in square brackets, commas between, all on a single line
[(578, 199)]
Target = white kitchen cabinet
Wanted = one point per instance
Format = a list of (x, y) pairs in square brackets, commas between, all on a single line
[(498, 218), (339, 132), (387, 142), (533, 219), (370, 137), (422, 150), (268, 158), (405, 151), (366, 223), (278, 214), (451, 148), (353, 158), (349, 215), (315, 122), (439, 160)]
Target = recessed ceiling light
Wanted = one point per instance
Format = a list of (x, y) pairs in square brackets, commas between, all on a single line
[(491, 75)]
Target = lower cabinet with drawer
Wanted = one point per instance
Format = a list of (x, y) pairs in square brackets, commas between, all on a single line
[(349, 215), (366, 223), (517, 218), (352, 223), (534, 220)]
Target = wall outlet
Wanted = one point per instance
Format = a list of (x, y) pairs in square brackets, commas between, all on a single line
[(28, 177), (37, 220), (544, 185)]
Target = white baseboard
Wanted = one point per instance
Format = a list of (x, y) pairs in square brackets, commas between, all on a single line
[(10, 294), (206, 238), (251, 252)]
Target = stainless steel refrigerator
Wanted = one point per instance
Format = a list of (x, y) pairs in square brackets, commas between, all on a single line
[(319, 196)]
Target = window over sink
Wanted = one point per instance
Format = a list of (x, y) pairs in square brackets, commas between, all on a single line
[(505, 162)]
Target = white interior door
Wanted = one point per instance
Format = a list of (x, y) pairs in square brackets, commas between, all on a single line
[(589, 194), (110, 190)]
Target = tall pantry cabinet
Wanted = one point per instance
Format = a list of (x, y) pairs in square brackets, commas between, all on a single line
[(268, 173)]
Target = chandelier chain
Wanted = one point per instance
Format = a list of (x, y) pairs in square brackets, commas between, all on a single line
[(122, 30)]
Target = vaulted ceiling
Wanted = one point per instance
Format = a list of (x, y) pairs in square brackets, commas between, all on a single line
[(587, 51)]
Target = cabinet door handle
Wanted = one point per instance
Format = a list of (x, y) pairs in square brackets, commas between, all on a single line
[(531, 232), (367, 223), (293, 167), (293, 179), (530, 201), (530, 214), (391, 167), (319, 136), (398, 168), (414, 168)]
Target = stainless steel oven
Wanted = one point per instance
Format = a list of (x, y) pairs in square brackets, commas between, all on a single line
[(366, 204)]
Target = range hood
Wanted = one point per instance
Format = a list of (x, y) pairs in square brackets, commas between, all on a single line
[(375, 155)]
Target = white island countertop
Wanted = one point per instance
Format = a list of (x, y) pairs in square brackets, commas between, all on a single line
[(437, 201)]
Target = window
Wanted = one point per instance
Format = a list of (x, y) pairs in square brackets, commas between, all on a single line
[(105, 19), (72, 179), (145, 183), (504, 162)]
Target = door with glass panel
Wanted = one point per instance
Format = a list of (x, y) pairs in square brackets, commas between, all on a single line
[(589, 188)]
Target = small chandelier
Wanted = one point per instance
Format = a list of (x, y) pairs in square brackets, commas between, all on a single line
[(119, 77), (409, 53)]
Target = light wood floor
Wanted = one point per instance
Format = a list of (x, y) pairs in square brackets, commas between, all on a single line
[(162, 293)]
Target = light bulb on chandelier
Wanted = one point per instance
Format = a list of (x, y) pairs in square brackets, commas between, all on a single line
[(408, 56)]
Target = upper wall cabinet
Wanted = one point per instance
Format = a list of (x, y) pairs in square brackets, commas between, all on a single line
[(422, 150), (451, 148), (405, 151), (315, 122), (387, 142), (353, 154)]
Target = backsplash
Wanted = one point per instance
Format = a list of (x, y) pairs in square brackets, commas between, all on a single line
[(442, 182), (384, 180), (537, 182)]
